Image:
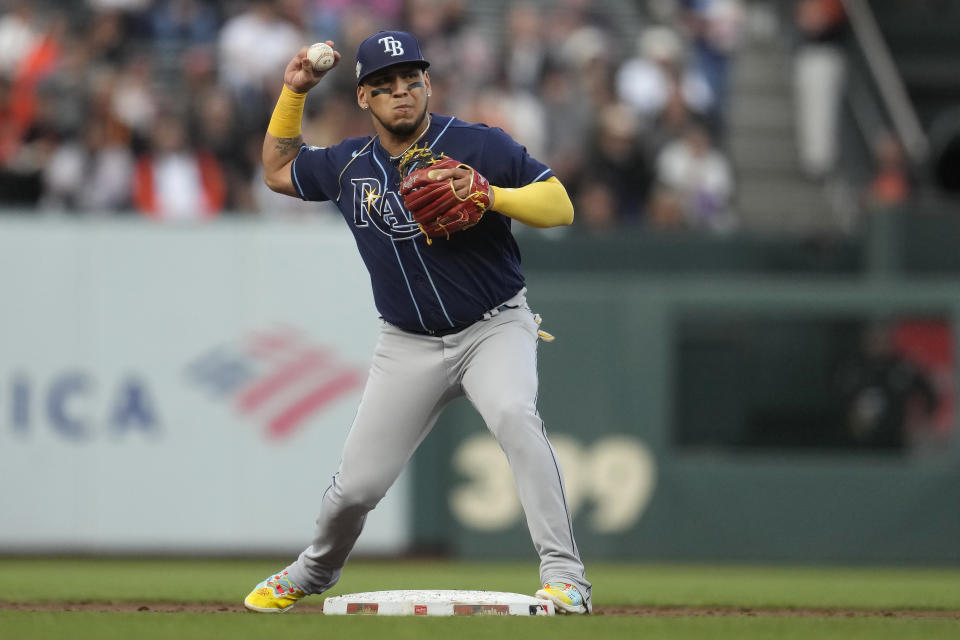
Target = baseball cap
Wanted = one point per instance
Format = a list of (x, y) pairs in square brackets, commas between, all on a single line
[(387, 48)]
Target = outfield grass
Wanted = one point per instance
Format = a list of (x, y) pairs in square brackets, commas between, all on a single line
[(29, 580), (621, 585)]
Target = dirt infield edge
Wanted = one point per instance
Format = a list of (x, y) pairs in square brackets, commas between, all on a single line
[(637, 611)]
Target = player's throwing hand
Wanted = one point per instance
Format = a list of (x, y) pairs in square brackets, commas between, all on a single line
[(300, 76)]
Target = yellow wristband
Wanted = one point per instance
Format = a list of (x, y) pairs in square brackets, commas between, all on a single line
[(285, 121)]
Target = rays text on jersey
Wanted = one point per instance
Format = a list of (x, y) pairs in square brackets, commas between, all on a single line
[(382, 210)]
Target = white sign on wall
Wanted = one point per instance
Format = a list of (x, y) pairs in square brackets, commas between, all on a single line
[(179, 388)]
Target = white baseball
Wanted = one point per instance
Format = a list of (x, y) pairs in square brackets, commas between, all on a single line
[(321, 55)]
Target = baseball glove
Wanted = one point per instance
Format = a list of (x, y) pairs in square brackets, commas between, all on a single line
[(434, 204)]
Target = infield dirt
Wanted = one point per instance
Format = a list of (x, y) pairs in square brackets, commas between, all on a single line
[(640, 611)]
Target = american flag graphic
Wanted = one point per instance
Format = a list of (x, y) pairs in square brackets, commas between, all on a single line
[(275, 377)]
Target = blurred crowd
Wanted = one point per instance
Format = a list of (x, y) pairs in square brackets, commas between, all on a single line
[(158, 107)]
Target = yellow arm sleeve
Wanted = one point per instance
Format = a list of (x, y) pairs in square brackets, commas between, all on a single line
[(285, 122), (541, 204)]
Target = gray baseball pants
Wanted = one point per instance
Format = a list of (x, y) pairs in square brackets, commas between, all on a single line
[(493, 362)]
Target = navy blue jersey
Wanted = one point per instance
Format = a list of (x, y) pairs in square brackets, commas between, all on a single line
[(420, 287)]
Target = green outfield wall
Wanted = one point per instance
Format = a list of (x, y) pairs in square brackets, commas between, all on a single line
[(692, 411)]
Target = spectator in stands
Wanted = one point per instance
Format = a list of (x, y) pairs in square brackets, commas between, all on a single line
[(180, 24), (647, 81), (616, 159), (107, 37), (587, 53), (172, 181), (330, 18), (133, 101), (453, 45), (883, 393), (18, 30), (29, 135), (568, 120), (356, 22), (93, 109), (69, 84), (131, 60), (252, 45), (715, 28), (525, 46), (93, 173), (694, 184), (890, 184), (216, 129), (671, 124), (819, 81), (38, 62), (19, 182), (516, 111)]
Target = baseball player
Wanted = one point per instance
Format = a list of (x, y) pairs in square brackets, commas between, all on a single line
[(429, 200)]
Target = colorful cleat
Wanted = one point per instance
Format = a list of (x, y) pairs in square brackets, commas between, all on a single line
[(565, 596), (276, 594)]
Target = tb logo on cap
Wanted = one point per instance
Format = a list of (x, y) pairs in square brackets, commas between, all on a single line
[(392, 46)]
